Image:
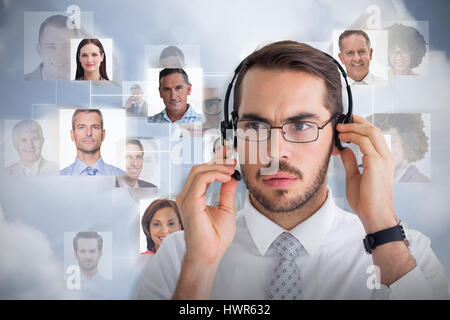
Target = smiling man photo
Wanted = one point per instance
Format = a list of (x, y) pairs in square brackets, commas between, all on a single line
[(355, 53)]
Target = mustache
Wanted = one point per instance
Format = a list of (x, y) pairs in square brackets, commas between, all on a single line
[(283, 166)]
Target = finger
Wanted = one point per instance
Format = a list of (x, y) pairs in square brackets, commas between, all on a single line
[(198, 187), (227, 193), (363, 127), (364, 143), (350, 164), (196, 170)]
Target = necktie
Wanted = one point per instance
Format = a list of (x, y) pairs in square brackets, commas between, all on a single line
[(90, 171), (285, 283)]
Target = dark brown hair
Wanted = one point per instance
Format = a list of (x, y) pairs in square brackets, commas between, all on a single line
[(80, 71), (295, 56), (410, 128), (150, 212), (88, 235), (409, 38)]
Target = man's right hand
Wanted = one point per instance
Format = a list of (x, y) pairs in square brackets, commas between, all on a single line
[(128, 103), (208, 230)]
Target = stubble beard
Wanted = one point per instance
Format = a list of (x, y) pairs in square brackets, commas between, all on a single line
[(279, 204)]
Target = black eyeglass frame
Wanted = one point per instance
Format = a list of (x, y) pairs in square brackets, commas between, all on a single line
[(334, 117)]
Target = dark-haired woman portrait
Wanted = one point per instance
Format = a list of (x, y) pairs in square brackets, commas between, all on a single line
[(91, 61), (159, 220)]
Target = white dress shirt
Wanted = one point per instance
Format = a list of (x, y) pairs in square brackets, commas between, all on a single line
[(332, 261)]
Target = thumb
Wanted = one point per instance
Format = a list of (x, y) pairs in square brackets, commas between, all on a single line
[(349, 160), (227, 192)]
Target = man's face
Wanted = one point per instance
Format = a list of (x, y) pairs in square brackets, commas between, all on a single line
[(277, 97), (54, 49), (356, 56), (135, 160), (137, 95), (87, 254), (88, 133), (28, 144), (174, 92), (91, 57)]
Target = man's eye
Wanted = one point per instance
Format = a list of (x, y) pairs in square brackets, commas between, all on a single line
[(301, 126), (51, 47), (255, 126)]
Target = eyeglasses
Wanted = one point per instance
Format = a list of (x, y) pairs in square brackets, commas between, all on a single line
[(294, 131), (401, 52)]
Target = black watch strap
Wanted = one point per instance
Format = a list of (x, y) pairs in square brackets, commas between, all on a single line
[(373, 240)]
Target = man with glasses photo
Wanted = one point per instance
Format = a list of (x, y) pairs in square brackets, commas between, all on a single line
[(290, 241)]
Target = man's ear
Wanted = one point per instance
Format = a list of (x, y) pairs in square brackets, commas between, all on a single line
[(335, 151), (103, 134), (71, 135), (340, 57), (189, 88), (370, 53)]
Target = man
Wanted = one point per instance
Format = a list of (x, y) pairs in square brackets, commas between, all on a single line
[(88, 134), (174, 88), (409, 143), (134, 162), (356, 54), (28, 140), (289, 221), (87, 247), (54, 49), (135, 105)]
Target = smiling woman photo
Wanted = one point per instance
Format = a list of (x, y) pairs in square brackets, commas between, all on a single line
[(91, 61), (161, 218)]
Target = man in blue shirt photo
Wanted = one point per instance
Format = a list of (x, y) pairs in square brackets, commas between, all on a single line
[(88, 134)]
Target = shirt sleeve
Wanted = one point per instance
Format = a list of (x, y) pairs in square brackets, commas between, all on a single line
[(426, 281), (160, 276)]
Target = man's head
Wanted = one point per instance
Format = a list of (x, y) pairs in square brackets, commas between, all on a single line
[(409, 142), (87, 247), (171, 57), (134, 158), (355, 53), (28, 140), (174, 88), (87, 130), (287, 82), (54, 46), (136, 93)]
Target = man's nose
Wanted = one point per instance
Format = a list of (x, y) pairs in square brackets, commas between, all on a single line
[(279, 147), (173, 94)]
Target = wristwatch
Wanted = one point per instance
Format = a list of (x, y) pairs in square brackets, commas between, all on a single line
[(398, 233)]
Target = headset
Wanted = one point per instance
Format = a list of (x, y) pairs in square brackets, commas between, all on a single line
[(228, 124)]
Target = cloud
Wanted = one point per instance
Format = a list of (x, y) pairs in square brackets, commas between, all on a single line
[(28, 268)]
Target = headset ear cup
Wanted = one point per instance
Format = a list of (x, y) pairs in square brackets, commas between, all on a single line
[(341, 119)]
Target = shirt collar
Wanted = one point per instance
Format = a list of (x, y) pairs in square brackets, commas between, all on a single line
[(310, 232), (187, 114), (32, 170), (80, 166), (368, 79)]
